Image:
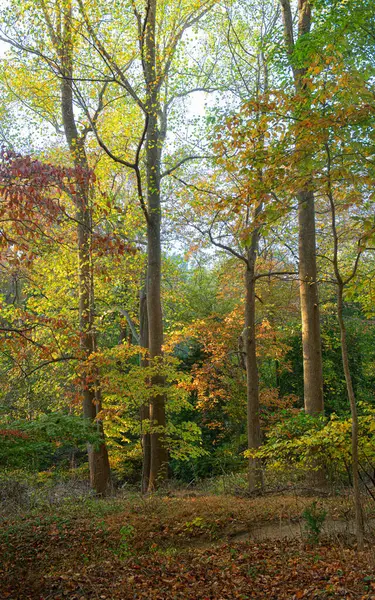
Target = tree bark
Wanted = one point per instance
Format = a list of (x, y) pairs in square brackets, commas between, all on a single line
[(159, 456), (311, 338), (98, 457)]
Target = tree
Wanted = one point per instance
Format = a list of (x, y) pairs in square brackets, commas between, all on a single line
[(62, 41), (311, 341), (32, 214), (353, 192), (241, 206), (155, 58), (336, 133)]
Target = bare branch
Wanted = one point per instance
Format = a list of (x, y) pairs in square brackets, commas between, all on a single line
[(182, 162), (49, 362), (275, 274)]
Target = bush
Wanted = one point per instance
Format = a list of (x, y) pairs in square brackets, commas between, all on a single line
[(314, 517), (14, 495), (305, 443), (22, 491), (34, 445)]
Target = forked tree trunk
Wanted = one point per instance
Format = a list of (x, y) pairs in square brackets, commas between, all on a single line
[(98, 457), (311, 339), (353, 409), (159, 455)]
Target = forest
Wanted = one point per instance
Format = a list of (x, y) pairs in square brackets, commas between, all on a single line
[(187, 299)]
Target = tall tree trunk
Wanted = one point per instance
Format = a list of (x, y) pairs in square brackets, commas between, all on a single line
[(98, 457), (255, 479), (311, 339), (92, 404), (344, 351), (145, 409), (159, 456), (353, 409)]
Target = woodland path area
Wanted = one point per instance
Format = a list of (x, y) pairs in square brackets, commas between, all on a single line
[(206, 547)]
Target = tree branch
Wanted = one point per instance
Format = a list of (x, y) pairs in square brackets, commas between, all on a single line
[(182, 162), (128, 318)]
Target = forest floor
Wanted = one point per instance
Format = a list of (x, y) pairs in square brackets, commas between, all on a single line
[(180, 546)]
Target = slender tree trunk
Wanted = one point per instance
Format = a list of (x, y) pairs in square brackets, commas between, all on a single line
[(159, 456), (98, 457), (145, 409), (353, 409), (255, 478), (344, 354), (311, 339)]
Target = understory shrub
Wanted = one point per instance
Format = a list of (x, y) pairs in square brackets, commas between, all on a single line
[(314, 517), (45, 442), (303, 443)]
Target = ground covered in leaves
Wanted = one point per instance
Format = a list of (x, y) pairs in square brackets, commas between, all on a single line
[(177, 547)]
